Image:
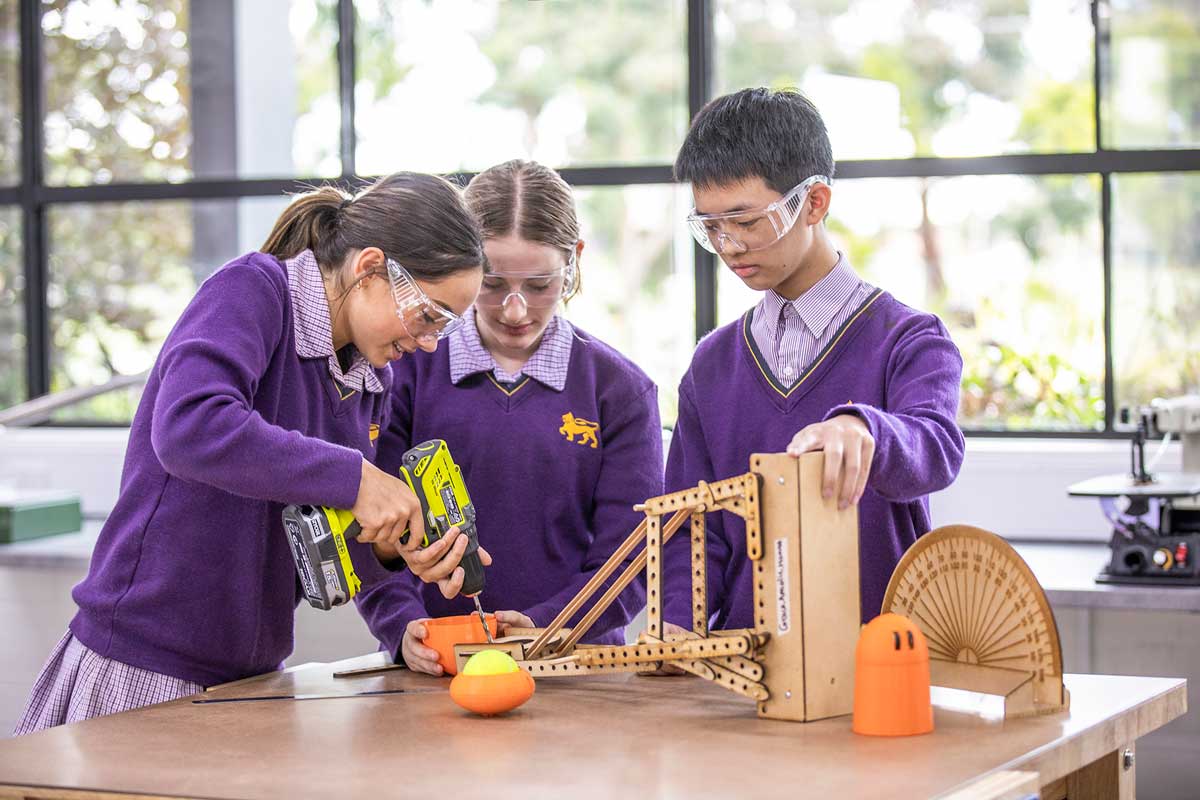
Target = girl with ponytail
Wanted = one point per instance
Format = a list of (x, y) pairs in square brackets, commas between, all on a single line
[(271, 389)]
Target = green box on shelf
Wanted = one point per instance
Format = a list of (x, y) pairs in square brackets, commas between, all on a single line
[(28, 514)]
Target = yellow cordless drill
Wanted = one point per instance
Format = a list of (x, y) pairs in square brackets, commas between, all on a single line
[(318, 535)]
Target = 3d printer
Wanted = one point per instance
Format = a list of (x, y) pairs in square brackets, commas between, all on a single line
[(1155, 515)]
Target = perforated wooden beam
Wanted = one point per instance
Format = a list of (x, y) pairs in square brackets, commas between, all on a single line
[(699, 575), (707, 496), (654, 550), (649, 652)]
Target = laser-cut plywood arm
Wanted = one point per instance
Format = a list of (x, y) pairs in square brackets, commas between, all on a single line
[(730, 494), (769, 663)]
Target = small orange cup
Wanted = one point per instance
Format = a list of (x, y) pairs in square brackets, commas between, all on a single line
[(443, 633)]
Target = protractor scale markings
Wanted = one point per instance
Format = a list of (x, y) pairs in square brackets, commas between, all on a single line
[(976, 601)]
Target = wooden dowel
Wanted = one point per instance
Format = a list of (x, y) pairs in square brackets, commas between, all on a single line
[(619, 585), (587, 591)]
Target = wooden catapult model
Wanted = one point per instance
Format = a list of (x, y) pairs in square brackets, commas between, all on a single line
[(797, 662)]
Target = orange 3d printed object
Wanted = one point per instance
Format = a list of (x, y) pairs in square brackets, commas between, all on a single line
[(443, 633), (891, 679), (491, 683)]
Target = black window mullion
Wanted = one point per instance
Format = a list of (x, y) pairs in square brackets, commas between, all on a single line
[(1100, 51), (701, 54), (33, 227), (1101, 44), (1082, 163), (191, 190), (346, 76), (1106, 254)]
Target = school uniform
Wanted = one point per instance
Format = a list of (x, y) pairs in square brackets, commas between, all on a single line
[(843, 347), (554, 456), (191, 582)]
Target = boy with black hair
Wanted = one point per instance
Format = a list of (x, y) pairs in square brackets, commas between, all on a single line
[(824, 361)]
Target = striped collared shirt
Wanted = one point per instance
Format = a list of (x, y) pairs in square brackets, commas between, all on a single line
[(791, 333), (314, 332), (547, 366)]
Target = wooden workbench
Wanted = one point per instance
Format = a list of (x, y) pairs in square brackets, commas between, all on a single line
[(598, 736)]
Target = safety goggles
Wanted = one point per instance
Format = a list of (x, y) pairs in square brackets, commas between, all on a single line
[(424, 319), (532, 291), (743, 231)]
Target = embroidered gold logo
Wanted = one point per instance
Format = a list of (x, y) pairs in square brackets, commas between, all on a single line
[(574, 426), (373, 432)]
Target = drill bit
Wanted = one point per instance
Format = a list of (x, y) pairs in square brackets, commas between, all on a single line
[(483, 619)]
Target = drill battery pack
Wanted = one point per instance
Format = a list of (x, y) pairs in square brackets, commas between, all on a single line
[(318, 540)]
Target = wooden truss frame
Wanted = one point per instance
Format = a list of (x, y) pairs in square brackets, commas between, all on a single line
[(797, 662)]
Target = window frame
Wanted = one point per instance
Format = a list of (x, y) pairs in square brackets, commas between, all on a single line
[(33, 196)]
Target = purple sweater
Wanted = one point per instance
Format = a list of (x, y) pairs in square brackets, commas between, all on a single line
[(192, 576), (892, 366), (550, 511)]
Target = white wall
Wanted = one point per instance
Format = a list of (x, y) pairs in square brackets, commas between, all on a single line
[(1018, 487), (83, 460)]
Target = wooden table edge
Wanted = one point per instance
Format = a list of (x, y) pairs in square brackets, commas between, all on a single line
[(13, 791), (1047, 760)]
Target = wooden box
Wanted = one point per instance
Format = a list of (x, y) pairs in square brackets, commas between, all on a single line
[(806, 590)]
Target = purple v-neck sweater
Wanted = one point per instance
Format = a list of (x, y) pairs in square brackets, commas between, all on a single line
[(551, 510), (192, 576), (894, 367)]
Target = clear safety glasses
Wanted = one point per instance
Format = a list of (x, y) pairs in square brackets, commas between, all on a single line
[(422, 318), (743, 231), (531, 291)]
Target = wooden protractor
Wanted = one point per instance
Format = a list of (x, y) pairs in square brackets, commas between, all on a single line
[(985, 616)]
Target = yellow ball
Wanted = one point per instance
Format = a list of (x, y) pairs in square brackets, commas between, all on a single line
[(490, 662)]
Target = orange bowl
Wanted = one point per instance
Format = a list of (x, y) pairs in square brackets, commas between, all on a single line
[(443, 633), (489, 695)]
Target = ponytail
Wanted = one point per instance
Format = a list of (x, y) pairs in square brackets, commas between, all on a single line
[(309, 223), (420, 220)]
